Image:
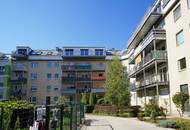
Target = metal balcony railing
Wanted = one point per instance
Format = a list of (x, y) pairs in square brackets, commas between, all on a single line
[(154, 55), (153, 34), (19, 67), (152, 79), (76, 67), (19, 80)]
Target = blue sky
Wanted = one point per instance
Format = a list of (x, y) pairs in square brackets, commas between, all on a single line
[(45, 24)]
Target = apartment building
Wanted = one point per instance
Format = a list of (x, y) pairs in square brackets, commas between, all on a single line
[(177, 26), (36, 75), (4, 76), (157, 54), (42, 76), (83, 71)]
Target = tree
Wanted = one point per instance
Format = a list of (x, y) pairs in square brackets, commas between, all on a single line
[(17, 124), (179, 100), (92, 99), (62, 100), (117, 84), (85, 98)]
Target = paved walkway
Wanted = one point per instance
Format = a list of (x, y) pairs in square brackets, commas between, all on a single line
[(117, 123)]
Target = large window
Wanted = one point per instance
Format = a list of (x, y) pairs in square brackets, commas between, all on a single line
[(180, 38), (34, 76), (177, 13), (48, 88), (84, 52), (34, 65), (182, 63), (99, 52), (33, 99), (33, 88), (49, 76), (56, 76), (69, 52)]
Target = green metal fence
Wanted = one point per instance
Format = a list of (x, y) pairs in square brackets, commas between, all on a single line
[(69, 116), (64, 117)]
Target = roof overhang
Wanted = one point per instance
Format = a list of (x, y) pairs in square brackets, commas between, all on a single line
[(143, 29)]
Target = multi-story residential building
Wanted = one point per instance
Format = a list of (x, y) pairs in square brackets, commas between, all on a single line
[(42, 76), (157, 54), (5, 66), (83, 71), (36, 75)]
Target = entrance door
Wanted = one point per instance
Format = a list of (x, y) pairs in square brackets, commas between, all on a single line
[(184, 89)]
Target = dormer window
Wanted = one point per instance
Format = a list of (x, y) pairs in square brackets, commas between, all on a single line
[(84, 52), (69, 52), (22, 51), (99, 52)]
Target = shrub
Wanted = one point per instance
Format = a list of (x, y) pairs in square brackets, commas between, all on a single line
[(168, 124), (140, 116), (134, 110), (89, 108), (125, 114), (179, 100)]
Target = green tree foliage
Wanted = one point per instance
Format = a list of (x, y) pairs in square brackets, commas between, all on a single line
[(179, 100), (85, 98), (117, 84), (92, 99)]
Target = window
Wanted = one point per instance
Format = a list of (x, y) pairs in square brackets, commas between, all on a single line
[(49, 64), (56, 76), (56, 65), (188, 4), (177, 13), (69, 52), (165, 2), (99, 52), (184, 88), (48, 88), (56, 88), (84, 52), (180, 38), (34, 99), (34, 65), (164, 91), (33, 88), (182, 63), (49, 76), (55, 99), (34, 76)]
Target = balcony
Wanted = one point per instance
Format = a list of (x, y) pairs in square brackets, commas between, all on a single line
[(68, 90), (84, 79), (98, 78), (154, 55), (82, 67), (155, 34), (19, 80), (68, 79), (19, 67), (153, 79)]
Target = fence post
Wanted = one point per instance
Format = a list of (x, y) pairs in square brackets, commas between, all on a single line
[(1, 120), (61, 120), (71, 117), (47, 117)]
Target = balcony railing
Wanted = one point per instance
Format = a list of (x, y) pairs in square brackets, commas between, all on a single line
[(98, 78), (152, 79), (76, 67), (19, 67), (19, 80), (154, 55), (68, 79), (153, 34)]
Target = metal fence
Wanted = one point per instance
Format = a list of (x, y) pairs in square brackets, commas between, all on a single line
[(69, 116)]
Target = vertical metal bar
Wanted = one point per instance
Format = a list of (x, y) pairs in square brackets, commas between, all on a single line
[(1, 120), (61, 120), (71, 116), (47, 117)]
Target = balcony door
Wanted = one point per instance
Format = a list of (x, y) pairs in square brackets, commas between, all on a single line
[(163, 74)]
